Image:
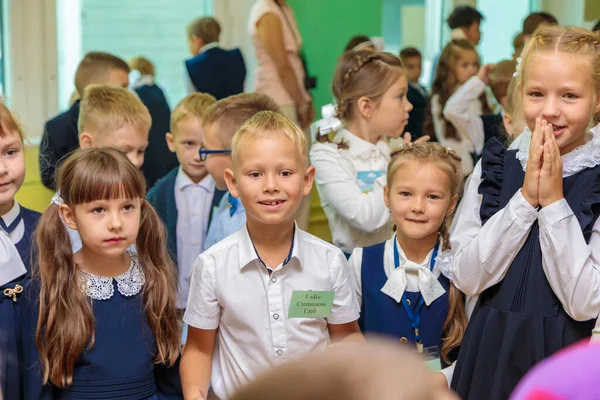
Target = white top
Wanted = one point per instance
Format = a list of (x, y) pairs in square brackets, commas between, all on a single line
[(483, 254), (459, 111), (465, 146), (193, 201), (350, 184), (11, 265), (267, 79), (233, 292), (414, 273)]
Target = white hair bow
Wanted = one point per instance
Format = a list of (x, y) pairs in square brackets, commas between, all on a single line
[(329, 122), (56, 199), (518, 68)]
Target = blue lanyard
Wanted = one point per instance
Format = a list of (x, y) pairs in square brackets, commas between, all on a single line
[(414, 315)]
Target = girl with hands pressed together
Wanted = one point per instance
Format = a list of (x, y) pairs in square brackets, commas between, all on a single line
[(526, 239)]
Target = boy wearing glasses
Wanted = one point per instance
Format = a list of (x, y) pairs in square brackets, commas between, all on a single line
[(186, 197), (219, 125)]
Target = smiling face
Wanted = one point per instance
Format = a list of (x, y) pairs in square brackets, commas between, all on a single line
[(419, 199), (559, 88), (12, 169), (270, 177)]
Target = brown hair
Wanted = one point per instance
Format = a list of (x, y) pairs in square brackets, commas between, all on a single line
[(107, 108), (449, 162), (66, 323), (8, 123), (361, 73), (231, 112), (268, 124), (142, 64), (555, 39), (94, 67), (206, 28), (518, 43), (500, 77), (534, 20), (445, 83), (409, 52), (192, 105)]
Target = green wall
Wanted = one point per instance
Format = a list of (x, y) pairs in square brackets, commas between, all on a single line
[(326, 26)]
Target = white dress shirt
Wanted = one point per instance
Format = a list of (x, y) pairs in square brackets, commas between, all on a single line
[(193, 202), (483, 254), (412, 274), (350, 184), (233, 292), (460, 112), (11, 265), (464, 147)]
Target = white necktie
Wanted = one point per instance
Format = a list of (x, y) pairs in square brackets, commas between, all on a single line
[(429, 286)]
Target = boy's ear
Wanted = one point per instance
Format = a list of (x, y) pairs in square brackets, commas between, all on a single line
[(170, 141), (86, 140), (68, 216), (231, 182), (309, 178)]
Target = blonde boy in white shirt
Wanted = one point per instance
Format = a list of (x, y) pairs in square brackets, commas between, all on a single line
[(239, 307)]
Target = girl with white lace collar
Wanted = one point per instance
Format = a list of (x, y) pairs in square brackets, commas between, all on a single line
[(351, 154), (404, 284), (527, 237), (106, 320)]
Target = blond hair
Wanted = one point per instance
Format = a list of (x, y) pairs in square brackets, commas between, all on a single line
[(142, 64), (555, 39), (108, 108), (206, 28), (231, 112), (192, 105), (9, 124), (500, 77), (270, 124), (94, 67), (449, 162)]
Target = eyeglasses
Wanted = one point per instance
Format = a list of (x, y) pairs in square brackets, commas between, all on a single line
[(204, 153)]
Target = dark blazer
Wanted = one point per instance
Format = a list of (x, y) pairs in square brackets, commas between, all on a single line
[(162, 198), (158, 160), (218, 72), (416, 117), (60, 138)]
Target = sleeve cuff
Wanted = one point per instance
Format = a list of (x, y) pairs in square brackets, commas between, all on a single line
[(200, 323), (522, 209), (345, 316), (554, 213)]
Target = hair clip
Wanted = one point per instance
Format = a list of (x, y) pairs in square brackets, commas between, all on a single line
[(448, 149)]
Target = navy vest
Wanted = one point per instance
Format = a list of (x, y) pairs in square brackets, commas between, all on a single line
[(382, 315)]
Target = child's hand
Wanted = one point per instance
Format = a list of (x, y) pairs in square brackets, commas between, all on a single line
[(531, 183), (551, 174), (484, 73), (408, 138)]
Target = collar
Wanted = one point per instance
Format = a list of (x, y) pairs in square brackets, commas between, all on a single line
[(12, 214), (360, 147), (583, 157), (208, 46), (457, 34), (142, 80), (247, 252), (182, 181)]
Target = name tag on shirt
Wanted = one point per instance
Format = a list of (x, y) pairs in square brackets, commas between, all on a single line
[(366, 179), (310, 304), (432, 358)]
